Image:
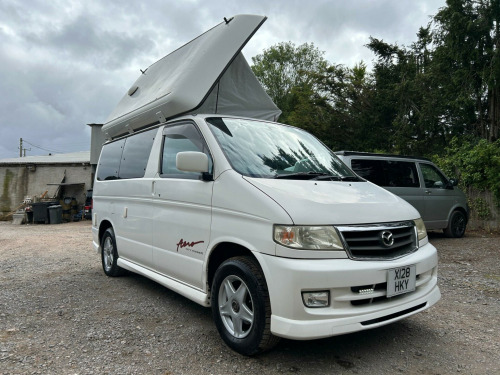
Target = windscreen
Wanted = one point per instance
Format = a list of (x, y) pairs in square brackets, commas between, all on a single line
[(269, 150)]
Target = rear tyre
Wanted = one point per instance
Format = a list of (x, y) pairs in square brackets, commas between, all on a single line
[(456, 225), (109, 254), (241, 307)]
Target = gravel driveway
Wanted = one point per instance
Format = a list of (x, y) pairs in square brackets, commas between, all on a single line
[(59, 314)]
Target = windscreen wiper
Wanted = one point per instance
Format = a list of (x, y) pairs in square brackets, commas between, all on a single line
[(336, 178), (352, 178), (315, 176), (300, 175)]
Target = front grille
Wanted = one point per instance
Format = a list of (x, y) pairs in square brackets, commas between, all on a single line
[(379, 241)]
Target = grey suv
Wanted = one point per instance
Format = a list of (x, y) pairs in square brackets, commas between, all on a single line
[(418, 181)]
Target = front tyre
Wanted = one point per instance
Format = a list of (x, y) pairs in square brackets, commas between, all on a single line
[(241, 307), (456, 225), (109, 254)]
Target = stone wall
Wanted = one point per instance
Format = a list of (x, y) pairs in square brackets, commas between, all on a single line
[(18, 182), (484, 209)]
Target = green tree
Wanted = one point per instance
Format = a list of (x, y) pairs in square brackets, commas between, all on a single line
[(333, 102), (348, 96), (310, 110), (444, 85), (416, 100), (406, 95), (467, 58), (283, 68), (475, 161)]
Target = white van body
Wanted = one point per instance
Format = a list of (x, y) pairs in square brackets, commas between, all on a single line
[(288, 252), (173, 230)]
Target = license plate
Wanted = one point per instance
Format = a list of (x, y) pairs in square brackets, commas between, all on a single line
[(401, 280)]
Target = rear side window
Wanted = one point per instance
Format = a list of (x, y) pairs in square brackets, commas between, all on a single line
[(370, 170), (401, 173), (126, 158), (136, 154), (387, 173), (179, 138), (109, 162)]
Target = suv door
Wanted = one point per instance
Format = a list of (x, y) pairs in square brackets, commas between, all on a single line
[(182, 213), (439, 197)]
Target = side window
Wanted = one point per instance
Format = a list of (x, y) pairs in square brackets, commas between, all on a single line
[(401, 174), (136, 154), (432, 177), (109, 162), (369, 169), (178, 138), (387, 173)]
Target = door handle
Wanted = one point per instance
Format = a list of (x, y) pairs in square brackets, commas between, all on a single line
[(153, 188), (428, 192)]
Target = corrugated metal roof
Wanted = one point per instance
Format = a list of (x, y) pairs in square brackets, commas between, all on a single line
[(70, 158)]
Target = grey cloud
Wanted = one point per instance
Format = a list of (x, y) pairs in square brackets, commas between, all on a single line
[(66, 64), (83, 40)]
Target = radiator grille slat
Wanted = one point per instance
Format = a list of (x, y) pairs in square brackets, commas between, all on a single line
[(367, 242)]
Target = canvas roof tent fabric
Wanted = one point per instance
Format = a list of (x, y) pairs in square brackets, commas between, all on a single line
[(207, 75)]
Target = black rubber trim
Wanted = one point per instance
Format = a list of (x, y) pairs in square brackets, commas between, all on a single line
[(395, 315)]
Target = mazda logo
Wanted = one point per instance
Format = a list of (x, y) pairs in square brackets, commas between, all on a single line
[(387, 238)]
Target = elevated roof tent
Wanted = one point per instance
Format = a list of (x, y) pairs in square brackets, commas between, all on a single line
[(207, 75)]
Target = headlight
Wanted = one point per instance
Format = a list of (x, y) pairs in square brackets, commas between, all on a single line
[(421, 231), (308, 237)]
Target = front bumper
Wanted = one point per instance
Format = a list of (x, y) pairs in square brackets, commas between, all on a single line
[(349, 310)]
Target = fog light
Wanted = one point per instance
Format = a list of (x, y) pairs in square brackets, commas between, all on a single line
[(316, 299)]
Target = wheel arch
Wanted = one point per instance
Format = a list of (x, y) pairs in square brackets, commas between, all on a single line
[(460, 209), (103, 226), (222, 252)]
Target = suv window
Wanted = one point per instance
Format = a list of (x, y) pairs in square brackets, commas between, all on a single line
[(388, 173), (126, 158), (109, 162), (179, 138), (370, 170), (432, 177), (135, 154)]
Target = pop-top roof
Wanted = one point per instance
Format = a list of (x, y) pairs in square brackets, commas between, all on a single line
[(207, 75)]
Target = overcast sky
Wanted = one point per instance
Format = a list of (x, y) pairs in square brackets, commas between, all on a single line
[(64, 64)]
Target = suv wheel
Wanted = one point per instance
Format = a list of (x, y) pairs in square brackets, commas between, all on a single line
[(109, 254), (241, 307), (456, 225)]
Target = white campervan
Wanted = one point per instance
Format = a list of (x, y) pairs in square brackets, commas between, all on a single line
[(200, 191)]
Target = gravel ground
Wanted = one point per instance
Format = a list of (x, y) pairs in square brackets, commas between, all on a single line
[(59, 314)]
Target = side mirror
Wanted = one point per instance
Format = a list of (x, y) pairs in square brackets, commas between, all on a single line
[(192, 161), (439, 185), (451, 183)]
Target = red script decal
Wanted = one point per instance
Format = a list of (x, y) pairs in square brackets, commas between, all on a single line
[(183, 244)]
